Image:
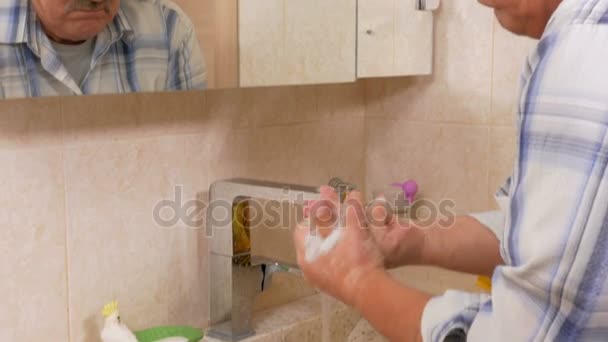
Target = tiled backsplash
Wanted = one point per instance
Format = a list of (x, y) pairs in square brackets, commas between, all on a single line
[(454, 131), (81, 176)]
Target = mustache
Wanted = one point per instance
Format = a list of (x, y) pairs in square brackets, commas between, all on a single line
[(87, 5)]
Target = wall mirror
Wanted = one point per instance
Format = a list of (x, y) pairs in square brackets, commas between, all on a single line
[(82, 47)]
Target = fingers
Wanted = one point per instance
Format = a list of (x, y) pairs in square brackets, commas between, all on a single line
[(320, 207), (300, 233), (377, 219), (328, 193), (379, 214), (324, 212), (355, 215), (322, 218)]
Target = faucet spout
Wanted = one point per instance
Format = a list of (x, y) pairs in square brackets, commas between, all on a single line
[(250, 226)]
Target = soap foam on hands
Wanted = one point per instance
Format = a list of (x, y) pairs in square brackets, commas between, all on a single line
[(317, 246)]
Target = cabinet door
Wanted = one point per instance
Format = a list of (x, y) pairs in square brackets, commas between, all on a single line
[(394, 39), (283, 42)]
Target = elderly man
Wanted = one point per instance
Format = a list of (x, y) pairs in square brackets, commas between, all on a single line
[(546, 250), (74, 47)]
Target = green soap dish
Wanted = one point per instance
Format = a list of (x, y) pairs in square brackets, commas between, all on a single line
[(159, 333)]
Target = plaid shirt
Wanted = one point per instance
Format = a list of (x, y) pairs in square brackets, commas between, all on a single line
[(553, 227), (149, 46)]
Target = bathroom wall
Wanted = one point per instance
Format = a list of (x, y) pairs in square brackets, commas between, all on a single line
[(81, 176), (453, 132)]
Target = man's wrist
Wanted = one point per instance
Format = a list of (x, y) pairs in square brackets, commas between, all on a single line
[(365, 289), (429, 239), (394, 309)]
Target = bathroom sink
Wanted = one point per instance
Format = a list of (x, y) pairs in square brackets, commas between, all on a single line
[(300, 321), (364, 332)]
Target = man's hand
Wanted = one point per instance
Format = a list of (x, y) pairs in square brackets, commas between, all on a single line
[(355, 259), (465, 246), (353, 270), (401, 243)]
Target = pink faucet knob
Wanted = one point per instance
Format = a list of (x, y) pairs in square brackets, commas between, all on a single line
[(410, 189)]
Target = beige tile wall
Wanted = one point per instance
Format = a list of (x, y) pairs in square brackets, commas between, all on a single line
[(80, 176)]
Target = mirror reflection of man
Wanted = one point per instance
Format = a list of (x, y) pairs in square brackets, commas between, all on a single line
[(75, 47)]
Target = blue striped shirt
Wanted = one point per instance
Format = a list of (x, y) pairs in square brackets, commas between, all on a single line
[(554, 228), (149, 46)]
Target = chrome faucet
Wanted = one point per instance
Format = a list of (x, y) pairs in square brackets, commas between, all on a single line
[(243, 256)]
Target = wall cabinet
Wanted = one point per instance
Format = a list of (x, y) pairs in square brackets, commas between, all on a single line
[(395, 38), (284, 42), (251, 43)]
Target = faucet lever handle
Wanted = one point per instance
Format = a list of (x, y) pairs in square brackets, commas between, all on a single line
[(268, 270)]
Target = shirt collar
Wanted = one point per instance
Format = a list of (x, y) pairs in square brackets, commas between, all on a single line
[(121, 25), (20, 24)]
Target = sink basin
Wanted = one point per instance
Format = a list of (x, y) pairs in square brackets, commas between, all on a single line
[(364, 332), (300, 321)]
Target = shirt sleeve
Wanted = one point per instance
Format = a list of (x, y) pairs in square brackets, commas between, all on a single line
[(191, 71), (187, 69), (452, 312), (448, 317), (495, 220), (554, 284)]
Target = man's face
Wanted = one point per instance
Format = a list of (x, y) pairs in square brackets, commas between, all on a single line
[(70, 21), (523, 17)]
